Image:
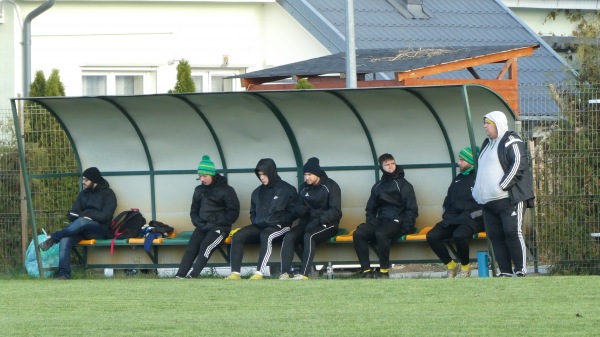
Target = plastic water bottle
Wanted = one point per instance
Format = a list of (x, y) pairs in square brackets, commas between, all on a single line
[(329, 271), (108, 272)]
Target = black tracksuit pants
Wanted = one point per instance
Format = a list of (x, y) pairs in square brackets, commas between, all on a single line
[(309, 240), (383, 236), (461, 234), (503, 224), (254, 234), (200, 248)]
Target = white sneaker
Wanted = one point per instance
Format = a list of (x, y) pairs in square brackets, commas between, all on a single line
[(284, 276), (299, 277), (464, 273), (257, 276), (453, 272)]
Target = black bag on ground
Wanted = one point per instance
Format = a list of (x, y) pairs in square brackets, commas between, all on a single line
[(127, 224)]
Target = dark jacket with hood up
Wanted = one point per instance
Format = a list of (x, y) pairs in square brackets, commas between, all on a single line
[(393, 198), (98, 203), (320, 204), (215, 206), (272, 204)]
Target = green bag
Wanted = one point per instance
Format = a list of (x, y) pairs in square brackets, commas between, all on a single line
[(49, 258)]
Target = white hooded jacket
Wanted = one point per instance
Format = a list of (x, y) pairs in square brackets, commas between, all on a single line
[(489, 170)]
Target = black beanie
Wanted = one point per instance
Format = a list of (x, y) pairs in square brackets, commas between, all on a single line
[(92, 174), (312, 166)]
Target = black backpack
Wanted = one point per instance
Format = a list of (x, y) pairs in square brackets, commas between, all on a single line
[(127, 225)]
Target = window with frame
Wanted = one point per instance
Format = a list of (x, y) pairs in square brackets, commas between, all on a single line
[(107, 82), (207, 80)]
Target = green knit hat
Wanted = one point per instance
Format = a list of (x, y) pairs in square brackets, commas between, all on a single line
[(206, 166), (467, 155)]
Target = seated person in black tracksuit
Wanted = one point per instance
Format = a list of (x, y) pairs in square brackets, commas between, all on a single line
[(320, 207), (215, 207), (461, 219), (391, 212), (271, 213)]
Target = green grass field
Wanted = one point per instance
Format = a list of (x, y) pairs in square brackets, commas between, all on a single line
[(144, 306)]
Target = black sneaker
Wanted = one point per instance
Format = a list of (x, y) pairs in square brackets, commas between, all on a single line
[(383, 275), (366, 274), (62, 277), (520, 274), (47, 244), (504, 275)]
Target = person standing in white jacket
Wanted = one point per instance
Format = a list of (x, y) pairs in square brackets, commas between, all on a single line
[(504, 186)]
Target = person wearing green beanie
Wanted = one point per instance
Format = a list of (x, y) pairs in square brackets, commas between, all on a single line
[(468, 156), (461, 218), (206, 166), (215, 207)]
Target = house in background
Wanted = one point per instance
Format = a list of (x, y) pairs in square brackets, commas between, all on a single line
[(558, 32), (114, 47), (133, 47)]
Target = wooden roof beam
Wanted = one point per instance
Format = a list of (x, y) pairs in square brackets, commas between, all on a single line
[(509, 67), (466, 63), (246, 82)]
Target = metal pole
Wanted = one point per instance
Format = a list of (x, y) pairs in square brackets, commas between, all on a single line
[(350, 46), (27, 43), (21, 146), (23, 194)]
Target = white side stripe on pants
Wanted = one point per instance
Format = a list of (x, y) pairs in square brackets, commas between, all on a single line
[(273, 236)]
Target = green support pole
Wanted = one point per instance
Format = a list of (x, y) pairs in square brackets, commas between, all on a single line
[(21, 146)]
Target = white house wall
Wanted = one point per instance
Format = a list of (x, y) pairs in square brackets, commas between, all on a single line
[(9, 54), (78, 36), (537, 20)]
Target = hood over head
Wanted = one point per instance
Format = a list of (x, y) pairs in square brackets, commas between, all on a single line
[(267, 165), (499, 118)]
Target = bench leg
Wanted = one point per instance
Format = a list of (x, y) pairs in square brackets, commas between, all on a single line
[(153, 255), (82, 257), (224, 254), (492, 257)]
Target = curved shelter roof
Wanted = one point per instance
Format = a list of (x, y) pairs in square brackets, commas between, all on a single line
[(148, 147)]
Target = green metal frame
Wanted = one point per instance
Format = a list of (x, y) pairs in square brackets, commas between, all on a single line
[(152, 173)]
